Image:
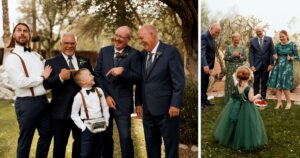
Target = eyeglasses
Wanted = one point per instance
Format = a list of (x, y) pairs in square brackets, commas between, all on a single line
[(121, 37), (69, 43)]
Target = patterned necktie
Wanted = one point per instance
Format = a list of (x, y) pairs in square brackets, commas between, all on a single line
[(261, 43), (116, 58), (149, 61), (71, 66)]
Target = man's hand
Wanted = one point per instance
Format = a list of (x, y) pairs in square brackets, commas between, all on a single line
[(275, 56), (139, 111), (206, 69), (174, 111), (253, 68), (65, 74), (116, 71), (47, 71), (270, 67), (111, 102)]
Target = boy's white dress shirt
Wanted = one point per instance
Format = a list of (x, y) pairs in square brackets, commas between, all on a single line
[(93, 107)]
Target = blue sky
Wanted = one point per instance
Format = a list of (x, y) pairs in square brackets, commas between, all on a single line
[(277, 13)]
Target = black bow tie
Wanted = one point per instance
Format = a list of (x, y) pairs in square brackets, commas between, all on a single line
[(90, 90), (27, 49)]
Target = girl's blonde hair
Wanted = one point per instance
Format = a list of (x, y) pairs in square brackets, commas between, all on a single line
[(243, 74)]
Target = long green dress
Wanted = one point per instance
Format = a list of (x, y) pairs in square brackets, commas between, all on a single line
[(232, 63), (240, 125), (281, 76)]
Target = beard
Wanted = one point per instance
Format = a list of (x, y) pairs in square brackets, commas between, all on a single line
[(23, 41)]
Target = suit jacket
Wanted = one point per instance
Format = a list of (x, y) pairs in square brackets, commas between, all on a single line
[(63, 93), (120, 88), (261, 58), (163, 86), (208, 49)]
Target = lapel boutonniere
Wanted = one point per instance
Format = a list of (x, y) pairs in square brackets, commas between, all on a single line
[(122, 55), (157, 54), (82, 61)]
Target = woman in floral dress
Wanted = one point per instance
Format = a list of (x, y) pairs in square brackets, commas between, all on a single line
[(235, 56), (281, 77)]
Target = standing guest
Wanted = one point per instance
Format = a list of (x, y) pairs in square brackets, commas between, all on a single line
[(235, 56), (63, 91), (162, 91), (260, 57), (117, 70), (26, 72), (281, 77), (208, 49), (90, 114)]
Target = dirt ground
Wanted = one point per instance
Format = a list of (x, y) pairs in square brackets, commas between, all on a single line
[(217, 89)]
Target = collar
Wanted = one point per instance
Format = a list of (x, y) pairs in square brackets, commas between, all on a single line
[(66, 57), (83, 89), (154, 50), (18, 48), (119, 51)]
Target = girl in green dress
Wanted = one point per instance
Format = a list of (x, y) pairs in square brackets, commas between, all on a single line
[(235, 56), (240, 125), (281, 77)]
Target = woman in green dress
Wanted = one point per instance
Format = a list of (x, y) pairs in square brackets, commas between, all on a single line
[(281, 77), (235, 56), (240, 126)]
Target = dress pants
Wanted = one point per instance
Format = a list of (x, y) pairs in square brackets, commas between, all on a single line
[(91, 144), (204, 87), (261, 77), (157, 127), (33, 113), (123, 122), (62, 129)]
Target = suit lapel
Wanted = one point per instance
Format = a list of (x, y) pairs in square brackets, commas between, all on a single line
[(62, 61), (110, 57), (159, 52), (144, 72)]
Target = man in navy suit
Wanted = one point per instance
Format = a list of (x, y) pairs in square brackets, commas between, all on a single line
[(63, 91), (162, 93), (261, 59), (208, 49), (117, 70)]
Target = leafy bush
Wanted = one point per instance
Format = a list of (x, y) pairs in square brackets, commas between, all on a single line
[(296, 74), (189, 114)]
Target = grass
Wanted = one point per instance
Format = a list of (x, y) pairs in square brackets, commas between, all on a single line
[(9, 136), (283, 130)]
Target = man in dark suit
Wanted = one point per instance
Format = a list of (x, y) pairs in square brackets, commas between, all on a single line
[(118, 68), (208, 49), (63, 91), (261, 59), (162, 93)]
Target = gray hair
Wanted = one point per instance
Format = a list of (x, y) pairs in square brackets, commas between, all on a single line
[(67, 34)]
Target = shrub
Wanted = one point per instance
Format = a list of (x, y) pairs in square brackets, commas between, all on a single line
[(189, 113), (296, 74)]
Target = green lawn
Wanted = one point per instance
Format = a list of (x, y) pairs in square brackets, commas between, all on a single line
[(9, 136), (283, 130)]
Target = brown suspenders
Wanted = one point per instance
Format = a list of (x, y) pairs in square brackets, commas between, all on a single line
[(25, 70), (85, 107)]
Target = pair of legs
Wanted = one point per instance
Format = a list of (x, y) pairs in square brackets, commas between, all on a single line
[(62, 129), (261, 78), (33, 113), (287, 97), (123, 122), (204, 87), (91, 144)]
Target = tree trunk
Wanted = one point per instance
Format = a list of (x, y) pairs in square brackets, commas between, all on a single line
[(189, 16), (6, 31), (34, 31)]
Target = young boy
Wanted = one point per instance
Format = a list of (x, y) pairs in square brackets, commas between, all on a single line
[(90, 114)]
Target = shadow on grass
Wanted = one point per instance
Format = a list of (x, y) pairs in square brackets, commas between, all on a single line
[(282, 126)]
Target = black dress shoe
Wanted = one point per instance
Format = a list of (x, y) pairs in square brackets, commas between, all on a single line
[(209, 104)]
